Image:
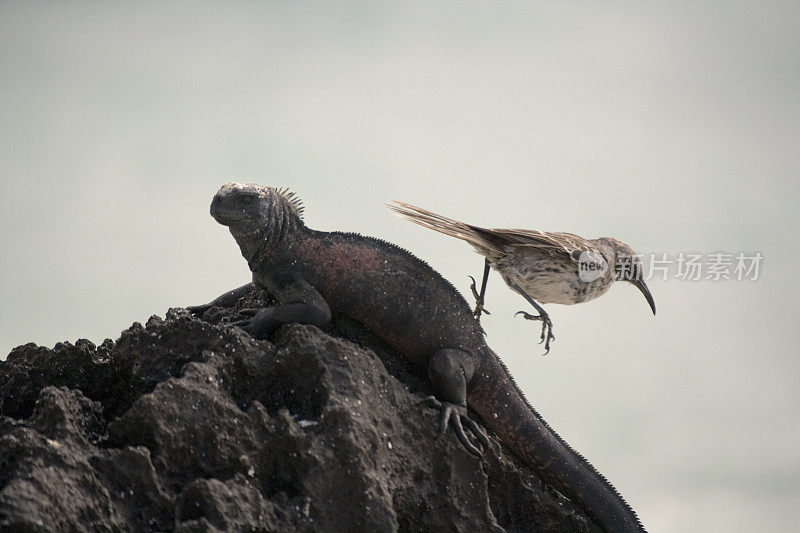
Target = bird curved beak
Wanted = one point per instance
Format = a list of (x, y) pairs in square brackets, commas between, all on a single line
[(640, 284)]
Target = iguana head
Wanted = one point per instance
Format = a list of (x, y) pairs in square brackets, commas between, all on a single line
[(249, 204), (257, 216)]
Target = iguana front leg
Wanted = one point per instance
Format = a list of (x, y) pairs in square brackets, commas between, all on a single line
[(228, 299), (297, 302), (449, 370)]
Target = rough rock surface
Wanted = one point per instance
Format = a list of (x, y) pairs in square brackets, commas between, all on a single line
[(188, 425)]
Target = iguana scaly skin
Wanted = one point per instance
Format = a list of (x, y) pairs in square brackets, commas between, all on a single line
[(414, 310)]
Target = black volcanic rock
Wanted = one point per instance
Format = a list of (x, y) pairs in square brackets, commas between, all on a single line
[(190, 425)]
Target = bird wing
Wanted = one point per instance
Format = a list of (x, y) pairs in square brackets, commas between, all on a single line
[(481, 239), (556, 243), (484, 239)]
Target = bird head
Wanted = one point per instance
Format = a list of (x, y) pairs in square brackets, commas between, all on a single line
[(628, 267)]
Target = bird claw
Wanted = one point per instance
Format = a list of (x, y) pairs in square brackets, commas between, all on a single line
[(547, 328), (479, 308), (456, 416)]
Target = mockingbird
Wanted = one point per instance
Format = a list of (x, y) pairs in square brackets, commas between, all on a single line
[(541, 266)]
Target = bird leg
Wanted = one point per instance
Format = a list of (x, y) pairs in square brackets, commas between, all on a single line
[(547, 328), (547, 324), (479, 308)]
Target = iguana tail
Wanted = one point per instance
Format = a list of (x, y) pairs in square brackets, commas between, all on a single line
[(503, 407)]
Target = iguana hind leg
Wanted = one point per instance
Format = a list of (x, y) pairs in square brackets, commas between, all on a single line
[(449, 371)]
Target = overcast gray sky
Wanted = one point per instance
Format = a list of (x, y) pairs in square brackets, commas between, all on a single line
[(673, 126)]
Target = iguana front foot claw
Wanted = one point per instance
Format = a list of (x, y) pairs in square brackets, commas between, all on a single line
[(456, 415), (547, 328), (479, 308), (258, 325), (198, 310)]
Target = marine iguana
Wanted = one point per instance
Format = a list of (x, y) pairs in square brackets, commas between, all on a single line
[(418, 313)]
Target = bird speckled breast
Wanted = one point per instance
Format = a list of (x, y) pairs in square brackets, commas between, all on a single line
[(550, 279)]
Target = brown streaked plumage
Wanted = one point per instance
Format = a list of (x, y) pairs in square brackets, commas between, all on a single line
[(548, 267)]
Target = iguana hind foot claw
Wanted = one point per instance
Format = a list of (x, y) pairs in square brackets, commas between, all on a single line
[(456, 415)]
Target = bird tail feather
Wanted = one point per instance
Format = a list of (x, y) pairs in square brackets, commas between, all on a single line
[(474, 235)]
